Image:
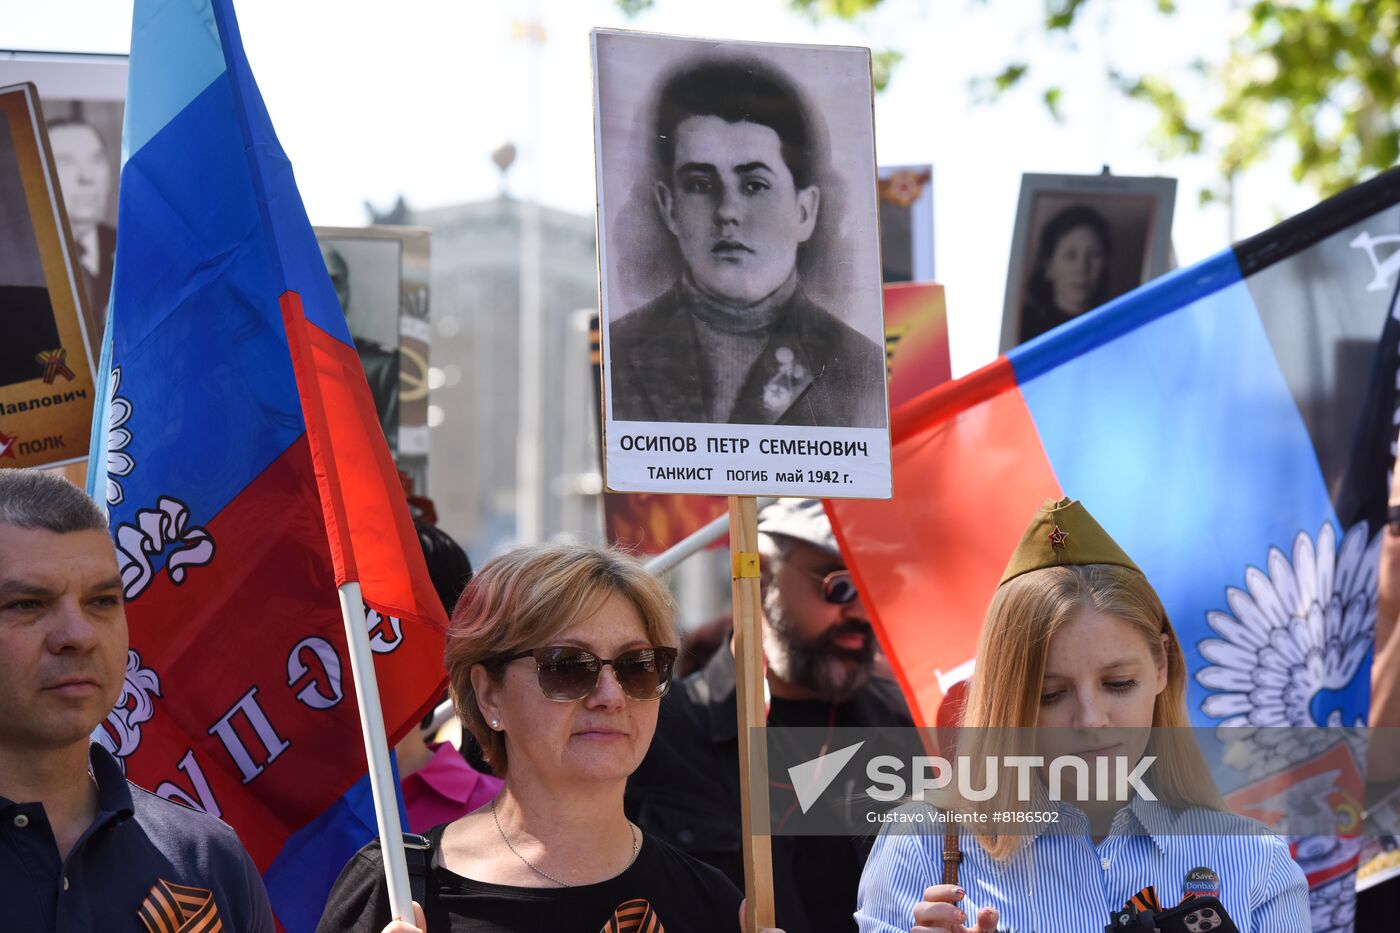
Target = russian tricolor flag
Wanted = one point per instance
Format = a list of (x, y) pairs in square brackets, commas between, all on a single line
[(1231, 425), (247, 476)]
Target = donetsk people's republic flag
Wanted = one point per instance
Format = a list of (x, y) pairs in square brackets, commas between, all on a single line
[(1231, 426), (247, 476)]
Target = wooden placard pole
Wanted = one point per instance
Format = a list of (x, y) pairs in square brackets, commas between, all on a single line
[(753, 751)]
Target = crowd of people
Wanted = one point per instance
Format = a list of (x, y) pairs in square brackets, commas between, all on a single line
[(605, 794)]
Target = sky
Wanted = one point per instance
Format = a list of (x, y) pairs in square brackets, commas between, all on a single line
[(373, 100)]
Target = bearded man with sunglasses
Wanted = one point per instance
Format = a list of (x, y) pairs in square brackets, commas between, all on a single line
[(820, 651)]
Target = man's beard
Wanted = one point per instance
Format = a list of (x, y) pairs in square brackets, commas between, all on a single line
[(833, 673)]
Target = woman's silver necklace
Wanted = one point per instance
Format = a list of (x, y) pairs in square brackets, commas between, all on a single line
[(542, 873)]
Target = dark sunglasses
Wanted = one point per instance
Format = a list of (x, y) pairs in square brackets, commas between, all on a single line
[(566, 673), (837, 587)]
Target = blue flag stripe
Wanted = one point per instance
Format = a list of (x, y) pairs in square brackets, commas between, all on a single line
[(174, 55), (291, 242), (193, 303), (1125, 313), (1139, 428)]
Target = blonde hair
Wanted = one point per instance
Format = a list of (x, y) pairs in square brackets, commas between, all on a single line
[(525, 598), (1025, 614)]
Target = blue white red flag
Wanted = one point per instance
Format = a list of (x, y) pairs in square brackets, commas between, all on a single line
[(1231, 425), (246, 476)]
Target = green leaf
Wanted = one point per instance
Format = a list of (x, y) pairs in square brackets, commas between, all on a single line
[(882, 65), (1061, 14), (841, 9), (1010, 76)]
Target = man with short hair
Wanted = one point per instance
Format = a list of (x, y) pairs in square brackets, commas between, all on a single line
[(820, 650), (735, 339), (81, 849)]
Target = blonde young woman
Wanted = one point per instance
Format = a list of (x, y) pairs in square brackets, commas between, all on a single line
[(1076, 644), (556, 658)]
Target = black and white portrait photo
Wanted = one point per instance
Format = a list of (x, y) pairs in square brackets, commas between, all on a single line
[(1081, 241), (366, 271), (83, 98), (739, 259), (85, 137), (906, 223), (741, 284)]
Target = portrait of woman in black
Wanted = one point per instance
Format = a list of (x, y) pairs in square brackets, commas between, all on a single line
[(1071, 271)]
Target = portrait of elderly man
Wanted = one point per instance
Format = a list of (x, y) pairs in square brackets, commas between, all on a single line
[(86, 177), (736, 339)]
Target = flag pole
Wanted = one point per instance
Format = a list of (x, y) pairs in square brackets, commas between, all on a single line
[(352, 612), (381, 773), (749, 683)]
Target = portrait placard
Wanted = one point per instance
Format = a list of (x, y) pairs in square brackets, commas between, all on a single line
[(1081, 241), (83, 98), (47, 377), (906, 224), (381, 277), (739, 263)]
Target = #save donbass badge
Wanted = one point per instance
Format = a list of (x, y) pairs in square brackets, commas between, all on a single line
[(1201, 882)]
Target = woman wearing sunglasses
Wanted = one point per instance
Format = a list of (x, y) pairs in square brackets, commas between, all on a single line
[(556, 658)]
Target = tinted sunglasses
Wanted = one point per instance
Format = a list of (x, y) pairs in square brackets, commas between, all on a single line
[(568, 673), (838, 588)]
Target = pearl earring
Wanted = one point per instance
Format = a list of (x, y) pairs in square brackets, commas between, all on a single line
[(495, 724)]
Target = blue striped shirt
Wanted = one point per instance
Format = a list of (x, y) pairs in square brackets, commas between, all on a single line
[(1061, 882)]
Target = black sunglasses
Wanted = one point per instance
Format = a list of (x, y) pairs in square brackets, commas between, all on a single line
[(567, 673), (838, 588)]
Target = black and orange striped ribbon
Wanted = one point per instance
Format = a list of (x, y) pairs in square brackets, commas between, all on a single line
[(1146, 900), (178, 908), (635, 916)]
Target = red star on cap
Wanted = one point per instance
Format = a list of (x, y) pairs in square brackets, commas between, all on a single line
[(1057, 538), (7, 446)]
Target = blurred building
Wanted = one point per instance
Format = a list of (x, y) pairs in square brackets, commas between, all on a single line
[(475, 356)]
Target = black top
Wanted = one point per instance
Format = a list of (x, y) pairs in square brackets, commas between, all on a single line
[(141, 852), (687, 789), (29, 330), (682, 894)]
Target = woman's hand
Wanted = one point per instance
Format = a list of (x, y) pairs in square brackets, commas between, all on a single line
[(939, 911), (741, 920), (419, 925)]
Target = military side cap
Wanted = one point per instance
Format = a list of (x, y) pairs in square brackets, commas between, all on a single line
[(1062, 534)]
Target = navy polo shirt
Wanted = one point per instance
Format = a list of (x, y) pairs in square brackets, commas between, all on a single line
[(145, 865)]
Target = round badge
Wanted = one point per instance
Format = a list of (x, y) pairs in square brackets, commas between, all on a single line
[(1202, 882)]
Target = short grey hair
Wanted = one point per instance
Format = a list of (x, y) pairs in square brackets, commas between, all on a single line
[(39, 500)]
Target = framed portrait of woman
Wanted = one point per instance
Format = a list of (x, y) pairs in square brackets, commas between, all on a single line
[(1081, 241)]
